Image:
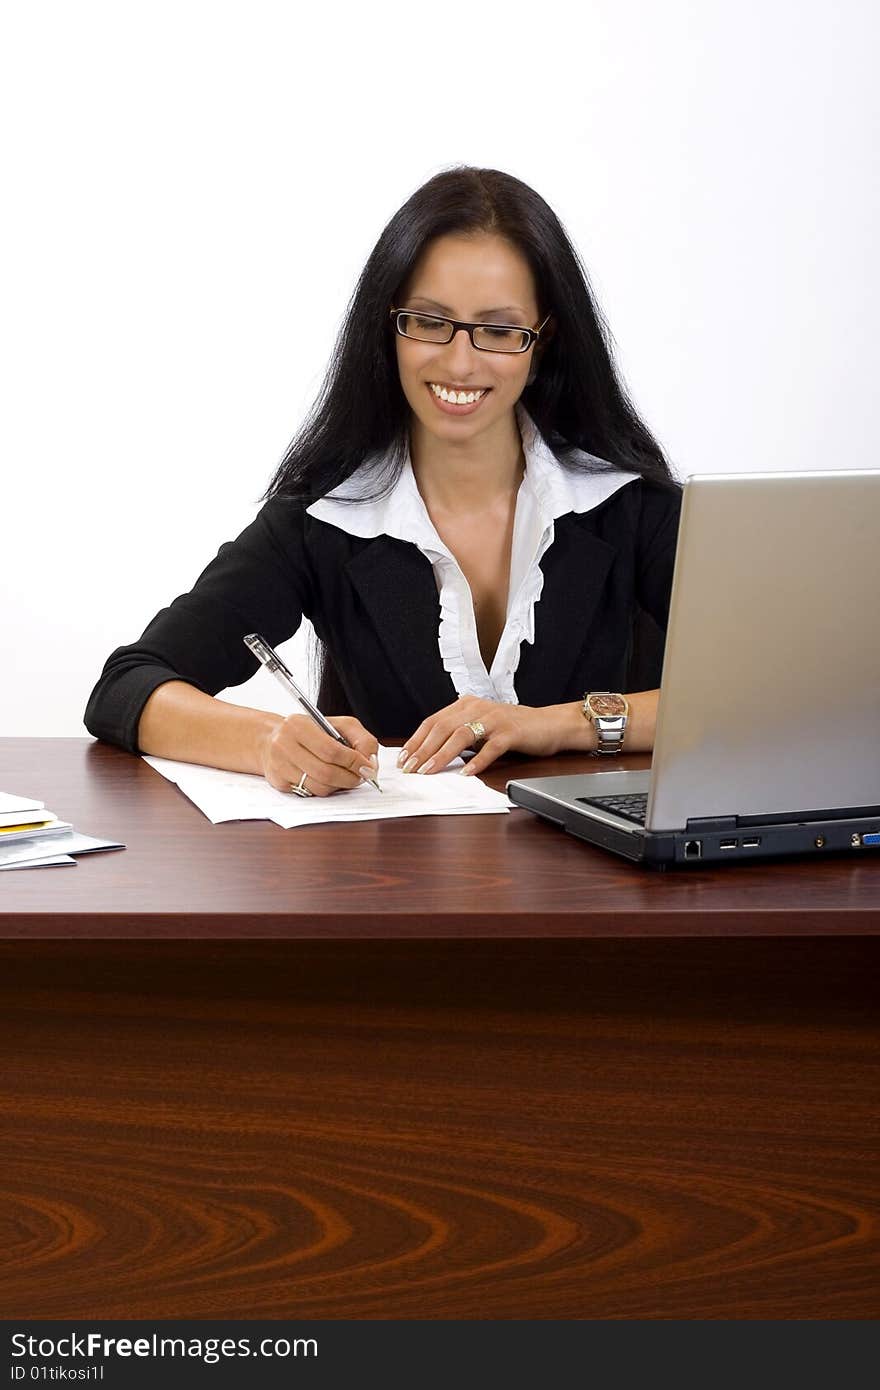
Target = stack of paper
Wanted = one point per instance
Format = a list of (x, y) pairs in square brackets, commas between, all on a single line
[(32, 837), (224, 796), (20, 816)]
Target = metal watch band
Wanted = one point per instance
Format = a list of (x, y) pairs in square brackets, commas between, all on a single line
[(608, 741), (610, 728)]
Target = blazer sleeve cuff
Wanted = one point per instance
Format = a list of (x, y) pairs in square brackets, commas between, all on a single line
[(117, 702)]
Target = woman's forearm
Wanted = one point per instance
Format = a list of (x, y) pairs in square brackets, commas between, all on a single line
[(180, 722)]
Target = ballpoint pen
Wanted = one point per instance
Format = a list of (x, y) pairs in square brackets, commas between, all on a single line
[(272, 661)]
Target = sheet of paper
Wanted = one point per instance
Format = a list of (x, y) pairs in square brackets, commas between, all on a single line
[(224, 796), (55, 860), (16, 820), (10, 802)]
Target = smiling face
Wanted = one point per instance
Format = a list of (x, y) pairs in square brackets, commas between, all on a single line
[(478, 278)]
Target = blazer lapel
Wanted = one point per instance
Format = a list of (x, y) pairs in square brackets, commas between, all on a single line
[(396, 585), (575, 571)]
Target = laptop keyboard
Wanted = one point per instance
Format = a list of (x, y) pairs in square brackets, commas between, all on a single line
[(633, 807)]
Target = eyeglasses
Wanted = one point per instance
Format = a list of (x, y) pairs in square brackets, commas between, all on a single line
[(488, 337)]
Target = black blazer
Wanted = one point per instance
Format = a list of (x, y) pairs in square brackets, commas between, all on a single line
[(599, 623)]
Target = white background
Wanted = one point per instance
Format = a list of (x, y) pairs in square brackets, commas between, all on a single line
[(190, 191)]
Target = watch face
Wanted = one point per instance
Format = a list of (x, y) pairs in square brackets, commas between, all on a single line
[(607, 704)]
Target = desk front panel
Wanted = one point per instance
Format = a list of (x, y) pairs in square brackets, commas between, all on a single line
[(451, 1129)]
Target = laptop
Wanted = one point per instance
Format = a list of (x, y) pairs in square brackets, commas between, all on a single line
[(768, 728)]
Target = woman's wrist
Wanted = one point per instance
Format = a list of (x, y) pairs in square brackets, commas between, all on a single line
[(558, 729), (262, 732), (577, 734)]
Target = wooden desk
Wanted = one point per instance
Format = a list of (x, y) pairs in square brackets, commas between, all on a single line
[(461, 1067)]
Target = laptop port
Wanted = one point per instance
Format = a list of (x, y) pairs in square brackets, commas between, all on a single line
[(693, 849), (752, 844), (872, 838), (727, 844)]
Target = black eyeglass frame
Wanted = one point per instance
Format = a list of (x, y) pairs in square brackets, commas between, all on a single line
[(457, 325)]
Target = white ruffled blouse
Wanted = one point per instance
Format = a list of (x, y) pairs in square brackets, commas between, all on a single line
[(547, 492)]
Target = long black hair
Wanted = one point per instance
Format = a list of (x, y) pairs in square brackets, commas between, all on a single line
[(577, 399)]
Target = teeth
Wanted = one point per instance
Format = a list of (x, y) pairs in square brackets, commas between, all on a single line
[(456, 397)]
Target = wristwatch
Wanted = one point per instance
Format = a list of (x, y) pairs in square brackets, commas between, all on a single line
[(608, 713)]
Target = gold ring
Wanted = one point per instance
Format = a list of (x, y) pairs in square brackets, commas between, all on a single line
[(477, 729)]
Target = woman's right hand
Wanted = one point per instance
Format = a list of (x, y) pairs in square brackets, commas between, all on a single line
[(298, 745)]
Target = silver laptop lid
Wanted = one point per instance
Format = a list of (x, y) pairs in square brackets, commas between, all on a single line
[(771, 681)]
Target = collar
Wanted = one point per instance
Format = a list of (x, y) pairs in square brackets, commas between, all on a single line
[(401, 513)]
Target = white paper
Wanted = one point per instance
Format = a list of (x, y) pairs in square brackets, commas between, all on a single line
[(22, 817), (53, 847), (39, 863), (224, 796), (10, 802)]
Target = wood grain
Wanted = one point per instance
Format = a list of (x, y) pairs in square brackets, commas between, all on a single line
[(551, 1129)]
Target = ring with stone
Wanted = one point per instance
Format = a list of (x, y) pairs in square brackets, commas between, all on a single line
[(299, 788), (477, 729)]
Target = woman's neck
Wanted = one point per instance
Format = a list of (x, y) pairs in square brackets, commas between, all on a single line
[(469, 477)]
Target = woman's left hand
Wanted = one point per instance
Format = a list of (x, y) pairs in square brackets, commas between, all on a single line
[(444, 735)]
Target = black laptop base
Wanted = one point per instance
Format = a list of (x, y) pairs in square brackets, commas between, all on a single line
[(709, 842)]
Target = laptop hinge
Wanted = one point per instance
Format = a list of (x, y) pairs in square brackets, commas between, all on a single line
[(698, 823)]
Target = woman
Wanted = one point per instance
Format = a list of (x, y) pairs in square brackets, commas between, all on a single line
[(473, 517)]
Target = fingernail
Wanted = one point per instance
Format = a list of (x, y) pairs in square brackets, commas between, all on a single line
[(374, 759), (411, 765), (427, 765), (464, 771), (367, 773), (402, 757)]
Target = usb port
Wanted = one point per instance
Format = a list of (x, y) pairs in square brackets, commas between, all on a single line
[(727, 844), (752, 844)]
